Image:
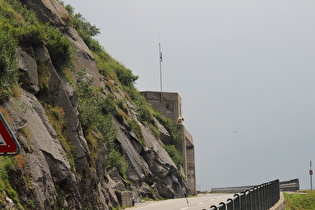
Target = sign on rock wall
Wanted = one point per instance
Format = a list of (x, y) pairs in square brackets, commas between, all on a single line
[(8, 143)]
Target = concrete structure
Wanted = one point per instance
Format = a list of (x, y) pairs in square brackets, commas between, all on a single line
[(292, 185), (170, 105)]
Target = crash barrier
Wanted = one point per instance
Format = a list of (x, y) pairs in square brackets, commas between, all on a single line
[(261, 197), (290, 185)]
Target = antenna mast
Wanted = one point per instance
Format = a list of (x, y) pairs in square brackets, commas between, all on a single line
[(311, 174), (160, 54)]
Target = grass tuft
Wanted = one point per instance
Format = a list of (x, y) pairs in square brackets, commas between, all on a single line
[(300, 201)]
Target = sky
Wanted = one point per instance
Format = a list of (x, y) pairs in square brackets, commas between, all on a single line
[(244, 70)]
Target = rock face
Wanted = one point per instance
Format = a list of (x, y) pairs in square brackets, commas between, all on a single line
[(48, 11), (28, 71), (68, 174)]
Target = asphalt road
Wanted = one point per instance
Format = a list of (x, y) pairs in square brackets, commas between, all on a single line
[(193, 203)]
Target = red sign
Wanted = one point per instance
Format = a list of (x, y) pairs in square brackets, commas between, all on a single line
[(8, 143), (311, 172)]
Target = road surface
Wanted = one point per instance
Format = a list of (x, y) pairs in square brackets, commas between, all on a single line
[(193, 203)]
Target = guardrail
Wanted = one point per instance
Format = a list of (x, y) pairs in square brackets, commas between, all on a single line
[(290, 185), (261, 197)]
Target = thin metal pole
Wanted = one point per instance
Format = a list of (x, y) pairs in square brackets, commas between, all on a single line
[(311, 175), (160, 52)]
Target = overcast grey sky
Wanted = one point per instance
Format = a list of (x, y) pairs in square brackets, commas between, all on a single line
[(244, 70)]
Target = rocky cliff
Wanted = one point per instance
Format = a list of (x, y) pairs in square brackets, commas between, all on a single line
[(89, 140)]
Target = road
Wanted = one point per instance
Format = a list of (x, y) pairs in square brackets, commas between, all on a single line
[(193, 203)]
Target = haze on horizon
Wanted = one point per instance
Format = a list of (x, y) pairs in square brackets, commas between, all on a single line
[(244, 70)]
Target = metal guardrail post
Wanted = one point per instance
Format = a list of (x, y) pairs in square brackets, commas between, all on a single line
[(268, 197), (271, 195), (278, 190), (263, 197), (230, 204), (237, 203), (259, 198), (275, 192), (248, 199), (222, 206), (243, 201), (253, 193)]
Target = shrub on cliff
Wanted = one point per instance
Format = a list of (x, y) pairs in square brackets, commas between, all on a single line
[(176, 156), (60, 49), (24, 25), (97, 113), (8, 69), (20, 26), (106, 64)]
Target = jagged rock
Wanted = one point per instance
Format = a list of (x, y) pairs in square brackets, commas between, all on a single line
[(8, 203), (57, 94), (115, 176), (53, 12), (43, 186), (28, 71), (130, 152), (112, 196), (73, 96), (148, 192), (38, 125), (91, 69), (48, 179), (125, 198), (48, 11), (154, 162), (165, 137), (101, 195), (82, 50), (24, 143), (155, 145), (47, 158)]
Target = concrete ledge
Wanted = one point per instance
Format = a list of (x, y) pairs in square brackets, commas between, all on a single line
[(280, 205)]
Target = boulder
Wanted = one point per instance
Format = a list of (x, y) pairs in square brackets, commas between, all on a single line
[(125, 198), (28, 71), (165, 136), (119, 181)]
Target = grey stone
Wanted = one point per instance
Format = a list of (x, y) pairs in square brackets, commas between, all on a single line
[(28, 71), (115, 176), (48, 11), (165, 137), (125, 198), (85, 183)]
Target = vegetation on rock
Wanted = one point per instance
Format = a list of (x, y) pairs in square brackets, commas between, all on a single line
[(112, 69), (99, 109), (20, 26)]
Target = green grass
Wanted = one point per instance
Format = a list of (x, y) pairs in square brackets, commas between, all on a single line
[(56, 116), (8, 67), (171, 126), (174, 154), (135, 127), (299, 201), (19, 26), (6, 164)]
